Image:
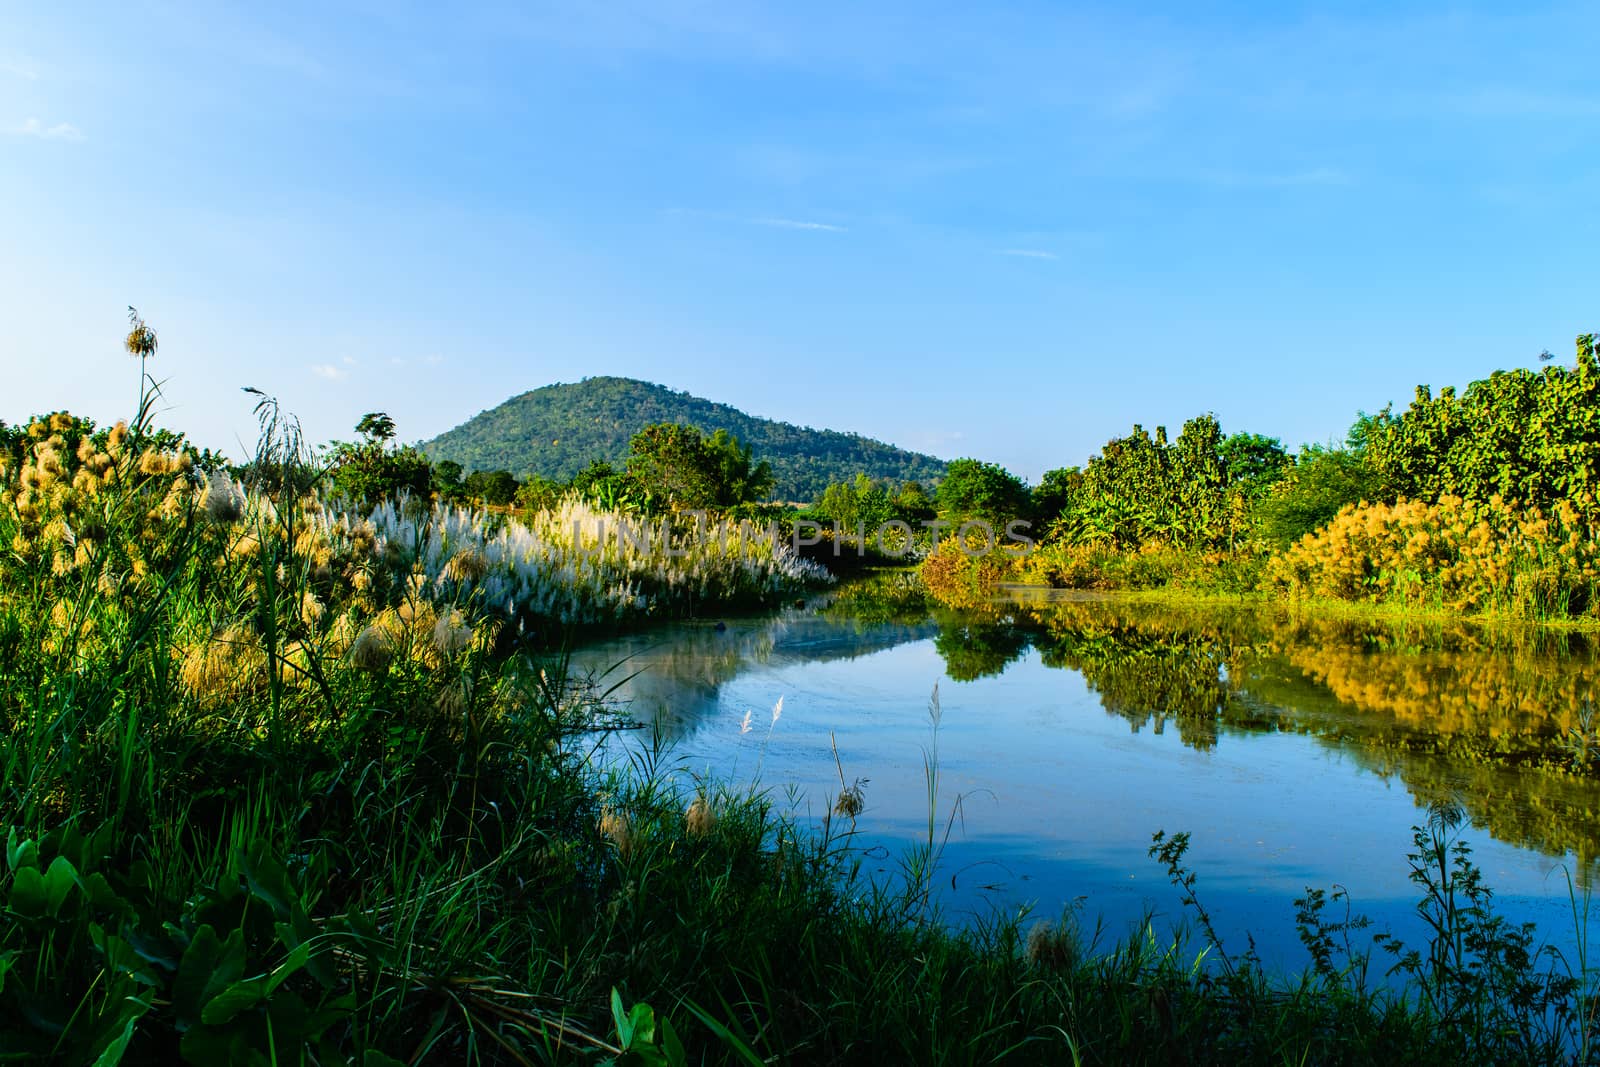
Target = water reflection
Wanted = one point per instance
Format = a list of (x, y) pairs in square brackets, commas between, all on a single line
[(1449, 712), (675, 676)]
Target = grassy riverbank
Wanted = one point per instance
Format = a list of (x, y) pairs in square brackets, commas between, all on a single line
[(288, 789)]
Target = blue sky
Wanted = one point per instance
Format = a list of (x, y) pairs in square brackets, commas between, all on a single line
[(1007, 231)]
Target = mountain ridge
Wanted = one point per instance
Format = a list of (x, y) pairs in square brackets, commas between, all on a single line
[(556, 430)]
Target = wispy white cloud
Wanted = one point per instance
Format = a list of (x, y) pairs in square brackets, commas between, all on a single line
[(61, 131), (15, 68), (1029, 253), (800, 224), (329, 371)]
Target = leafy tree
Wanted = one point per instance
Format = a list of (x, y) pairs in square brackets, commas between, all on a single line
[(862, 502), (1321, 481), (973, 489), (603, 485), (866, 506), (739, 478), (671, 463), (1143, 487), (1532, 437), (678, 466), (597, 473), (538, 494), (1253, 462), (447, 479), (497, 488), (372, 469), (912, 504), (376, 427), (1053, 493)]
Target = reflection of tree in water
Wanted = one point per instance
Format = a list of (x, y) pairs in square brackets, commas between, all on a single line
[(1444, 709), (1143, 675), (896, 596), (978, 645), (1515, 696), (1550, 814), (1553, 814), (1441, 708), (674, 676)]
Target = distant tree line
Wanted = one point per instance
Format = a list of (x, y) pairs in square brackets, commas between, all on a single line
[(1529, 438)]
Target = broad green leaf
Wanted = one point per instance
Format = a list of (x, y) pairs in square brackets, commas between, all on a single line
[(671, 1046), (208, 966), (232, 1000), (20, 852), (102, 896), (268, 880), (620, 1017), (298, 957), (59, 881), (28, 896), (642, 1023), (112, 1054)]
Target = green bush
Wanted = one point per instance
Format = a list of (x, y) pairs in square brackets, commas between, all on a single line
[(1524, 436), (1320, 483)]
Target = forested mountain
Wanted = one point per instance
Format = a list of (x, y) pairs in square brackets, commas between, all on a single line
[(558, 430)]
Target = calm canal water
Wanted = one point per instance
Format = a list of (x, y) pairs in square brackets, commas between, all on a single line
[(1296, 752)]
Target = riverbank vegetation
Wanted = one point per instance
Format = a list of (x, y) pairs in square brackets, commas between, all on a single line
[(1477, 503), (234, 836), (292, 781)]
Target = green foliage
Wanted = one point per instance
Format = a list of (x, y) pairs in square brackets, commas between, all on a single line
[(678, 466), (644, 1039), (865, 506), (862, 502), (1528, 437), (1252, 462), (1142, 488), (376, 426), (372, 470), (737, 477), (913, 504), (1055, 491), (604, 486), (973, 489), (497, 488), (1321, 481), (538, 494), (447, 479), (558, 430)]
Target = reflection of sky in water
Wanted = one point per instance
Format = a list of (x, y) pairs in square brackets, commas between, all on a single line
[(1059, 798)]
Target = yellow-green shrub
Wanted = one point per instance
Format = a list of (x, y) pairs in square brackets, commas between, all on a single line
[(1454, 554)]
